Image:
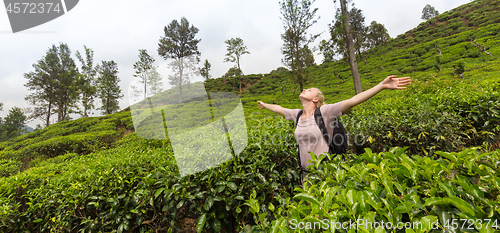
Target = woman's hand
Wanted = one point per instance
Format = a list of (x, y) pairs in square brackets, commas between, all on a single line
[(260, 104), (273, 107), (392, 82)]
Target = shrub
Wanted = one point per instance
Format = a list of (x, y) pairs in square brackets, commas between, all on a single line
[(391, 187)]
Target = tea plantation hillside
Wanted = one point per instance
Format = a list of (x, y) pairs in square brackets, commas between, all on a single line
[(428, 154)]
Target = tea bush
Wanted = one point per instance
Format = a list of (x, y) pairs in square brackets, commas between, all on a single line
[(82, 136), (394, 188), (136, 187)]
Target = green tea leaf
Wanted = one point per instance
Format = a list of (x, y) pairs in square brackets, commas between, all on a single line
[(158, 192), (436, 201), (232, 186), (208, 203), (462, 205), (307, 197), (448, 189), (262, 217), (200, 223), (447, 155)]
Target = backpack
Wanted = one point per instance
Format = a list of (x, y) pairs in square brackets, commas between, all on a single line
[(337, 146)]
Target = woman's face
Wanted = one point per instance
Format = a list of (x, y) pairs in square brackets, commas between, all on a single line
[(309, 94)]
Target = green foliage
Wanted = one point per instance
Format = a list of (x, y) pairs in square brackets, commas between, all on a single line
[(135, 183), (109, 91), (82, 136), (393, 187), (142, 71), (429, 12), (87, 80), (12, 125), (55, 83), (9, 167), (205, 70), (298, 17), (444, 115), (179, 40)]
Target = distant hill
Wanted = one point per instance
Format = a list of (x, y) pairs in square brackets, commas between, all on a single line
[(29, 129)]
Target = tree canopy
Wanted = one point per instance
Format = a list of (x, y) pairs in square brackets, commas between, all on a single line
[(297, 17), (88, 89), (235, 48), (13, 124), (143, 68), (178, 43), (429, 12), (205, 70), (109, 91), (54, 83)]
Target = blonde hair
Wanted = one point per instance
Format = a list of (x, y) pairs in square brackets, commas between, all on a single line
[(321, 98)]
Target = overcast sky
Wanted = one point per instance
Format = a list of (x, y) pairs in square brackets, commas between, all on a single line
[(116, 30)]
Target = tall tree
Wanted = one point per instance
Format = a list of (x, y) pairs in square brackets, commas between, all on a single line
[(88, 89), (179, 43), (54, 83), (338, 35), (108, 89), (155, 82), (143, 67), (350, 46), (183, 69), (429, 12), (377, 34), (40, 82), (235, 49), (297, 18), (67, 86), (205, 70), (13, 124), (359, 31)]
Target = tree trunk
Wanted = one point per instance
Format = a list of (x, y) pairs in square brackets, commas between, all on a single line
[(85, 105), (181, 67), (239, 71), (60, 111), (108, 111), (359, 53), (350, 44), (47, 123), (145, 86)]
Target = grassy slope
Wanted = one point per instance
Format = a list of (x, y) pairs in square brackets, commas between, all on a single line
[(68, 154)]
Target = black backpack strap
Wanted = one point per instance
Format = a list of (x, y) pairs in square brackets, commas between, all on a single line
[(322, 127), (321, 124), (338, 144), (298, 117), (298, 152)]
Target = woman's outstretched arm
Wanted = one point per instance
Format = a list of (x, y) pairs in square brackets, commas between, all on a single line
[(273, 107), (390, 82)]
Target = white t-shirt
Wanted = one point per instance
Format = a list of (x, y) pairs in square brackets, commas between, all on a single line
[(308, 134)]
